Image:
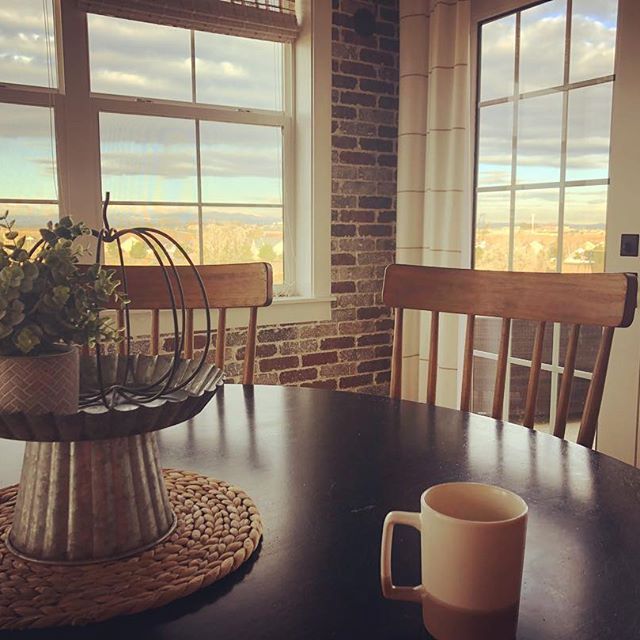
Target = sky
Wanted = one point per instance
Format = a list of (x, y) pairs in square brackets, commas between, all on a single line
[(540, 118), (150, 158)]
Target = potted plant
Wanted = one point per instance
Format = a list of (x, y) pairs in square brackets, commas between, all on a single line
[(48, 306)]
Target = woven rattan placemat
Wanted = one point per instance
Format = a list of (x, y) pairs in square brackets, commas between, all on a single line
[(218, 529)]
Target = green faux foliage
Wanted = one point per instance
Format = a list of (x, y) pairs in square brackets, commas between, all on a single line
[(46, 300)]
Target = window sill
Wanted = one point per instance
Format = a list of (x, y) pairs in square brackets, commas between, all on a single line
[(285, 310)]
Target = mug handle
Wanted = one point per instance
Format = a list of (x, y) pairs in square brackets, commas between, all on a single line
[(389, 590)]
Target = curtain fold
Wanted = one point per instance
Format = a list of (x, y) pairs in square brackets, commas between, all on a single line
[(273, 20), (434, 149)]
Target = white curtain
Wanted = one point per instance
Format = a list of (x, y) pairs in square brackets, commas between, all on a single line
[(434, 204)]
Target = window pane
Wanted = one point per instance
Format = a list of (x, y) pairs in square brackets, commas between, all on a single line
[(498, 58), (494, 145), (484, 376), (134, 58), (241, 234), (518, 381), (593, 38), (542, 38), (577, 399), (588, 343), (535, 245), (523, 334), (181, 223), (27, 152), (539, 137), (149, 159), (238, 72), (30, 218), (588, 131), (27, 43), (487, 334), (492, 230), (585, 212), (241, 163)]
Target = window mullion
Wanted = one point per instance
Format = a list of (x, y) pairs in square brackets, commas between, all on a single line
[(514, 144), (288, 170)]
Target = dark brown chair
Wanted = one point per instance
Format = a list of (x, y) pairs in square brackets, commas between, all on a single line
[(605, 299), (228, 286)]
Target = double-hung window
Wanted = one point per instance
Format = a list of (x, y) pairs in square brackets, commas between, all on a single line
[(201, 132), (192, 126)]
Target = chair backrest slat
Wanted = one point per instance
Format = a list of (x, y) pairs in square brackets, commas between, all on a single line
[(227, 286), (501, 369), (250, 347), (589, 422), (607, 300), (433, 358), (396, 357), (534, 377), (467, 367), (562, 409)]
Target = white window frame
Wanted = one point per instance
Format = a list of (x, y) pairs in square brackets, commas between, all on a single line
[(483, 11), (306, 123)]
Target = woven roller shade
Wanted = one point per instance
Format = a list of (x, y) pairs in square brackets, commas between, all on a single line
[(261, 19)]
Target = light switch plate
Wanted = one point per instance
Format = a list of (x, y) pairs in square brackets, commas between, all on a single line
[(629, 244)]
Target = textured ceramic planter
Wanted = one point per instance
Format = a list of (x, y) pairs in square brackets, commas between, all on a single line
[(48, 383)]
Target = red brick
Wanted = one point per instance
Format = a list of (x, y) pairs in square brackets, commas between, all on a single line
[(349, 382), (357, 157), (373, 365), (374, 202), (366, 313), (319, 330), (375, 230), (343, 82), (374, 338), (343, 287), (375, 144), (385, 325), (326, 357), (344, 342), (357, 98), (343, 258), (277, 334), (322, 384), (343, 229), (377, 86), (346, 142), (358, 69), (278, 364), (298, 375)]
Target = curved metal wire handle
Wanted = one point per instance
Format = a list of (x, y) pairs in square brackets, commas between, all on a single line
[(121, 391)]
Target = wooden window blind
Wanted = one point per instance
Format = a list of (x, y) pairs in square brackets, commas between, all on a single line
[(273, 20)]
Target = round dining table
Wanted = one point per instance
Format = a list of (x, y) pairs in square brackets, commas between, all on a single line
[(325, 467)]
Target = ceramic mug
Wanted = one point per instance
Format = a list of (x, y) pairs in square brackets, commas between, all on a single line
[(472, 552)]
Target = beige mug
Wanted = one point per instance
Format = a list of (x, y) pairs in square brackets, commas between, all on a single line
[(472, 553)]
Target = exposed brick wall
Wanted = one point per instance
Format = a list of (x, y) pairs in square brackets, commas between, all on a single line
[(352, 350)]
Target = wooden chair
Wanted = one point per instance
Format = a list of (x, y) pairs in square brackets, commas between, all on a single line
[(228, 286), (606, 299)]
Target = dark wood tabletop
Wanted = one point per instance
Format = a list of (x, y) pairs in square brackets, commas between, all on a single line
[(324, 469)]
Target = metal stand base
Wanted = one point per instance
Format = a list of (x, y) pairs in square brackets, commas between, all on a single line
[(90, 501)]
